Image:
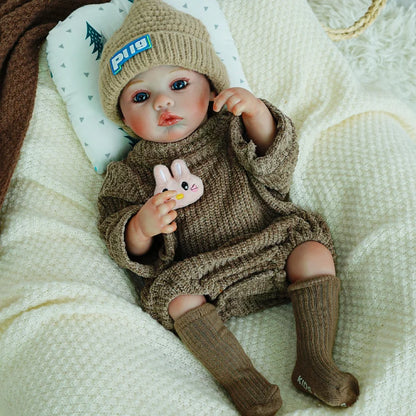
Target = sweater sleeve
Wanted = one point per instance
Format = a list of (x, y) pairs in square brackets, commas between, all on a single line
[(121, 197), (274, 169)]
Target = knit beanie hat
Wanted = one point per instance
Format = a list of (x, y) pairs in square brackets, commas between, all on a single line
[(153, 34)]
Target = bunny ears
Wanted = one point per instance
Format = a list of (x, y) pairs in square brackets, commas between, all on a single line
[(189, 187)]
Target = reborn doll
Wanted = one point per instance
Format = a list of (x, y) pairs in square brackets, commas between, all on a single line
[(237, 245)]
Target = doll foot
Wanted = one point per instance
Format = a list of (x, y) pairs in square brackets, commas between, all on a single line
[(268, 405), (329, 385)]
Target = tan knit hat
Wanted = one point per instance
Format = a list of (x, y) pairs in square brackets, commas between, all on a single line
[(152, 34)]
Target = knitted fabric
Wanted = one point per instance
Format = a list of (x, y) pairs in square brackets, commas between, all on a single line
[(232, 244), (177, 39), (209, 340), (315, 306), (73, 340)]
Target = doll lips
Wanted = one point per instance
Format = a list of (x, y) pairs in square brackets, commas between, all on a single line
[(168, 119)]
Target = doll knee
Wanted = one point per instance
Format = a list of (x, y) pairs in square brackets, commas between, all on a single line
[(184, 303), (308, 260)]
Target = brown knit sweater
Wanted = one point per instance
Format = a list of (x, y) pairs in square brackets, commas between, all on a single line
[(232, 244)]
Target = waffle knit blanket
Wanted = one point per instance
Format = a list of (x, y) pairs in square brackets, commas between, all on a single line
[(72, 338)]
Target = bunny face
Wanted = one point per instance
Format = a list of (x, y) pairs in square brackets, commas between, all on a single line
[(189, 187)]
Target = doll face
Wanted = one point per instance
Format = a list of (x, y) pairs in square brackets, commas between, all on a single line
[(166, 103)]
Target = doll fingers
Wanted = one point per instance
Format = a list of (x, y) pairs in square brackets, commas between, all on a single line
[(162, 197), (238, 108), (166, 207), (235, 105), (170, 228), (221, 99), (169, 218), (234, 102)]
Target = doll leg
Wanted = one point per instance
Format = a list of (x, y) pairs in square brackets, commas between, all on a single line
[(205, 335), (314, 294)]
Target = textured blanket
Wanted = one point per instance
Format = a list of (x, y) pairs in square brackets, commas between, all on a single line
[(23, 27), (73, 340)]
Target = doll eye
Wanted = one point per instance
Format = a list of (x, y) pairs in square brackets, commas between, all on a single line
[(185, 185), (141, 97), (179, 84), (165, 189)]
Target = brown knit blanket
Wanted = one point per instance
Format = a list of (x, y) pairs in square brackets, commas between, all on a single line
[(24, 25)]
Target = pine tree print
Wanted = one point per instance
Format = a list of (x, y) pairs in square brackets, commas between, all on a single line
[(132, 140), (96, 39)]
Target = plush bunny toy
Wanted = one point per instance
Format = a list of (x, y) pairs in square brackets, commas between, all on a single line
[(189, 187)]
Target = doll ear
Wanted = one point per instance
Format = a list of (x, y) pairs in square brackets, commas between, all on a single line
[(161, 174), (179, 168)]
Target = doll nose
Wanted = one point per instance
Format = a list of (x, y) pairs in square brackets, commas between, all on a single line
[(162, 101)]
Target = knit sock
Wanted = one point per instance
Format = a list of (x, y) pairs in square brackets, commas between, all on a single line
[(315, 305), (205, 335)]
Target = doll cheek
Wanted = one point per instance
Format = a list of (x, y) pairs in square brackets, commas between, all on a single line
[(202, 105)]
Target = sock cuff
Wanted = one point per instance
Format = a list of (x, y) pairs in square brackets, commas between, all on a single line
[(328, 279), (194, 315)]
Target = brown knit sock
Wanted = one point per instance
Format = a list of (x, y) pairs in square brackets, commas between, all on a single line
[(206, 336), (315, 305)]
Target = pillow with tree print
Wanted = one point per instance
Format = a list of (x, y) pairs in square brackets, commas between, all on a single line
[(74, 50)]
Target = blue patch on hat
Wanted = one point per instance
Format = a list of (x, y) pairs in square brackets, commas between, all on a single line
[(126, 52)]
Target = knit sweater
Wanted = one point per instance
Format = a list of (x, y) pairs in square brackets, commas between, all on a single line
[(232, 244)]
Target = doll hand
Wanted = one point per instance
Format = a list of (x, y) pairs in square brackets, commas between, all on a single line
[(239, 101), (157, 215), (257, 119)]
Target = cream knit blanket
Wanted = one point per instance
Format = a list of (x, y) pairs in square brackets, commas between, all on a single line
[(74, 342)]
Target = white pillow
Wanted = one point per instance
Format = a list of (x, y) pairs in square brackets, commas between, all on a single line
[(74, 49)]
